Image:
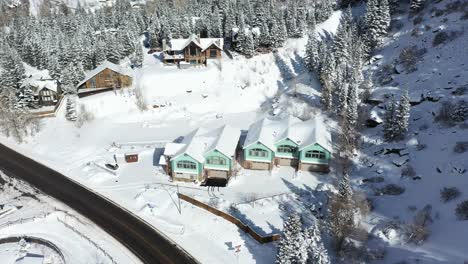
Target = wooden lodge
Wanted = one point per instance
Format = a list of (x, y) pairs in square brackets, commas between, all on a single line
[(191, 51), (107, 76)]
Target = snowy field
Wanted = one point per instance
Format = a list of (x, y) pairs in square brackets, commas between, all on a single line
[(234, 91), (26, 212)]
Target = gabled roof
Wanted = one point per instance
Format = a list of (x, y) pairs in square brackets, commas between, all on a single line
[(227, 140), (304, 133), (202, 43), (103, 66), (265, 131), (203, 140)]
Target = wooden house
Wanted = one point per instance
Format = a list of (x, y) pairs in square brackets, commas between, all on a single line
[(204, 155), (191, 51), (105, 77), (288, 142), (46, 92)]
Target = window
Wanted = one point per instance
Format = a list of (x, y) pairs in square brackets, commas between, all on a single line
[(315, 154), (213, 53), (286, 149), (258, 153), (184, 164), (193, 50), (216, 161), (193, 62)]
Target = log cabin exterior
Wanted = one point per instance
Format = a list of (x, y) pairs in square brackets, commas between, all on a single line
[(192, 51), (105, 77), (289, 142)]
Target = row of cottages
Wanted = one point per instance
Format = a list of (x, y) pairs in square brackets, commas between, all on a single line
[(204, 155), (191, 51), (105, 77), (304, 145)]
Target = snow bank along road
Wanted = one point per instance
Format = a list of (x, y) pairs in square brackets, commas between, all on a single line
[(148, 244)]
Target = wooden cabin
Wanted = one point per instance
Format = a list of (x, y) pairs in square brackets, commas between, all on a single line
[(107, 76), (47, 97), (193, 51), (46, 92)]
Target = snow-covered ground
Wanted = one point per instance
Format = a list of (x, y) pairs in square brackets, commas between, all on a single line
[(25, 212), (234, 91), (429, 146)]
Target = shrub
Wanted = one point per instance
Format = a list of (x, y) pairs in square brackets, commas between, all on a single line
[(444, 36), (451, 113), (409, 56), (440, 38), (461, 147), (390, 189), (462, 210), (417, 234), (140, 100), (84, 116), (448, 194)]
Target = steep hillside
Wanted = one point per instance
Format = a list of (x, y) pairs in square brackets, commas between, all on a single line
[(426, 54)]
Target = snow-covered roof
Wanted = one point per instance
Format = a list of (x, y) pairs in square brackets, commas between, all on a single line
[(38, 85), (203, 43), (172, 148), (303, 133), (103, 66), (203, 140)]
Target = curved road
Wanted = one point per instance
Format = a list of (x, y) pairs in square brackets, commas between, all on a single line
[(147, 243)]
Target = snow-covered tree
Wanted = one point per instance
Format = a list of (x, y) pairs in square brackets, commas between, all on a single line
[(377, 20), (71, 109), (389, 121), (312, 58), (216, 30), (402, 115), (137, 58), (13, 70), (292, 248), (317, 254), (353, 102), (342, 212)]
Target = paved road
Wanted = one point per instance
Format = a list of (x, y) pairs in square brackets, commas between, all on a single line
[(148, 244)]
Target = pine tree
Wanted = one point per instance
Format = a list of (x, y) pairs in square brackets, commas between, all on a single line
[(241, 36), (292, 248), (312, 58), (71, 109), (343, 38), (342, 212), (265, 38), (317, 253), (389, 121), (249, 48), (13, 70), (138, 56), (378, 21), (215, 24), (353, 101), (402, 115), (25, 98)]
